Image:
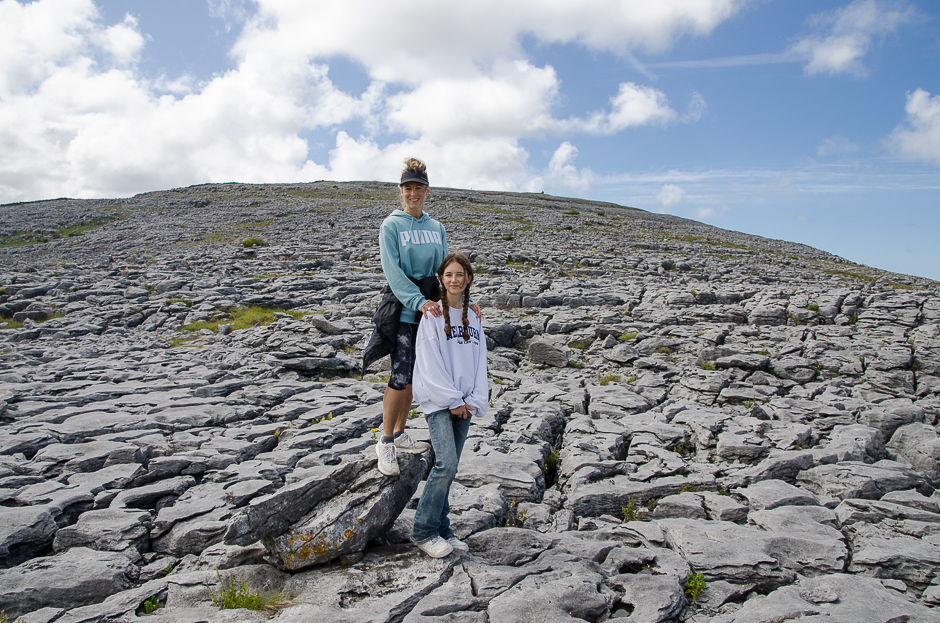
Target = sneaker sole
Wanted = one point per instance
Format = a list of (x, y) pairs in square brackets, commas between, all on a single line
[(396, 472), (427, 553)]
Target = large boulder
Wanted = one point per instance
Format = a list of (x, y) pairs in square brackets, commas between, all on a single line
[(542, 351), (364, 508)]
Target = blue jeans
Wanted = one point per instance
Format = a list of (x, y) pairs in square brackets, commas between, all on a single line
[(448, 434)]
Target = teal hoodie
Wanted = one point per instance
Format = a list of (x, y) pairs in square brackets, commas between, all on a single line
[(413, 248)]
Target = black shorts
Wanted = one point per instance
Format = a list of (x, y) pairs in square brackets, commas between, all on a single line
[(403, 357)]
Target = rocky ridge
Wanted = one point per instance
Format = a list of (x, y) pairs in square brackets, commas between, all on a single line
[(668, 399)]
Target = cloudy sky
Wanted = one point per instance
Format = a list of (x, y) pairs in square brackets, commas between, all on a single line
[(815, 121)]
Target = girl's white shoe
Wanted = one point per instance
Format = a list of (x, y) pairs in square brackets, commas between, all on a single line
[(435, 547)]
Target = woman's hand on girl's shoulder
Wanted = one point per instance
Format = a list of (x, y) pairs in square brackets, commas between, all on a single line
[(476, 310), (432, 308)]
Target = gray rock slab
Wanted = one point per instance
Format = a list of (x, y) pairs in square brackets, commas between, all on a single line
[(25, 532), (835, 597), (780, 465), (611, 496), (28, 443), (723, 507), (726, 551), (768, 494), (107, 529), (685, 505), (196, 500), (614, 401), (517, 474), (77, 577), (569, 589), (454, 600), (913, 499), (741, 446), (193, 536), (273, 514), (541, 351), (647, 597), (852, 511), (859, 480), (90, 456), (883, 553), (147, 496), (856, 443), (919, 444)]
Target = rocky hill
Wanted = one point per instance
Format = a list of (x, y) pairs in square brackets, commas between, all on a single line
[(687, 423)]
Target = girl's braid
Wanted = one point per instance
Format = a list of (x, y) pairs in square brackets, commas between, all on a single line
[(446, 310), (466, 306)]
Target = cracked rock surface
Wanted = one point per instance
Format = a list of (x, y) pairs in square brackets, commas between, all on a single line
[(181, 402)]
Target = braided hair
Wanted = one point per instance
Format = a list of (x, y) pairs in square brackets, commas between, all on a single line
[(461, 259)]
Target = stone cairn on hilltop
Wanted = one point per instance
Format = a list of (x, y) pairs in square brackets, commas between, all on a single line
[(687, 423)]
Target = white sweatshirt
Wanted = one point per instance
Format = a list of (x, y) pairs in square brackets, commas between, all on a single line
[(450, 371)]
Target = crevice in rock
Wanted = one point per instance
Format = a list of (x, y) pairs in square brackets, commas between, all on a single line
[(399, 612)]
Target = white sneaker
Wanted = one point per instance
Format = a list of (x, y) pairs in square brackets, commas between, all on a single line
[(406, 443), (388, 459), (458, 545), (436, 547)]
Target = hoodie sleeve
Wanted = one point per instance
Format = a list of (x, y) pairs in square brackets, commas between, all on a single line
[(434, 388), (479, 398), (405, 290)]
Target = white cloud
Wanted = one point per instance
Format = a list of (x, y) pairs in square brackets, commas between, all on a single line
[(696, 110), (920, 139), (669, 195), (450, 83), (562, 172), (837, 144), (711, 212), (515, 99), (122, 41), (637, 105), (845, 35)]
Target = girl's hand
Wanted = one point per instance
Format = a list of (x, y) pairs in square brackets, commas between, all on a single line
[(431, 308), (462, 411), (476, 310)]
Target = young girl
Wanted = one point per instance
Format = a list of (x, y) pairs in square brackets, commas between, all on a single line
[(450, 385)]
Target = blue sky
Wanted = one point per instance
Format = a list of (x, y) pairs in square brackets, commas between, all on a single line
[(813, 121)]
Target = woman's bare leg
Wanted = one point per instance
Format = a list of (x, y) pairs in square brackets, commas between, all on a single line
[(395, 407)]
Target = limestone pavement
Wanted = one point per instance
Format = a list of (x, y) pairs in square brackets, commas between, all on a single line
[(671, 403)]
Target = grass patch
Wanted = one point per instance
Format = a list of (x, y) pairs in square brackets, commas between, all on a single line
[(20, 239), (240, 318), (151, 605), (707, 365), (233, 594), (607, 379), (173, 301), (635, 511), (694, 585), (813, 307), (628, 336), (253, 242), (571, 212)]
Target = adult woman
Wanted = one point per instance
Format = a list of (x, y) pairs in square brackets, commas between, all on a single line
[(412, 246)]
